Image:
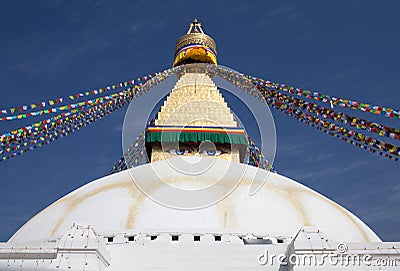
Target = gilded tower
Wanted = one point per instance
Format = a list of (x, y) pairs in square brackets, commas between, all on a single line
[(195, 120)]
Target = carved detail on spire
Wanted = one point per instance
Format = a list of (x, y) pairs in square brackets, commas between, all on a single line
[(195, 35)]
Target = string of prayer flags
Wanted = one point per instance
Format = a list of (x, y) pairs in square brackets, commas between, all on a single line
[(293, 107)]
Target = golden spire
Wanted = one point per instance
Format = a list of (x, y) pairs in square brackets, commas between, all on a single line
[(195, 47)]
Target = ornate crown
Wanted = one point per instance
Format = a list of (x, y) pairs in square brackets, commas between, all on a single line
[(188, 45)]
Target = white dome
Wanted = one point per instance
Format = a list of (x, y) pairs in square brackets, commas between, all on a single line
[(115, 204)]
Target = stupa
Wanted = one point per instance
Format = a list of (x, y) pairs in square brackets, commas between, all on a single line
[(176, 219)]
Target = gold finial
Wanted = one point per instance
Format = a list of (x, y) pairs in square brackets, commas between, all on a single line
[(195, 27)]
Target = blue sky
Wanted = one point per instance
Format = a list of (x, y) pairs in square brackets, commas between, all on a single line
[(349, 49)]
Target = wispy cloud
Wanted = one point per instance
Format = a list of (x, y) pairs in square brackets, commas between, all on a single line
[(117, 128), (285, 12), (378, 214), (322, 157), (395, 195)]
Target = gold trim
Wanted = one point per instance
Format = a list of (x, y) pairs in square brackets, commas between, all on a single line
[(195, 38)]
